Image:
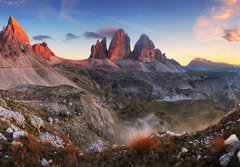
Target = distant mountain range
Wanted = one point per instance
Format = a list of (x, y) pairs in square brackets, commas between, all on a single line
[(23, 63), (200, 64)]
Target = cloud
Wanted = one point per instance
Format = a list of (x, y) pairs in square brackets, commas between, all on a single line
[(222, 15), (232, 35), (66, 7), (107, 32), (70, 36), (13, 2), (41, 37)]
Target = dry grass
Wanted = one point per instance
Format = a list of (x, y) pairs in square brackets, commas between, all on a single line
[(143, 143), (5, 122), (217, 145)]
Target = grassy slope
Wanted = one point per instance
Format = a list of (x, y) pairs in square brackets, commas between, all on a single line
[(166, 153), (188, 115)]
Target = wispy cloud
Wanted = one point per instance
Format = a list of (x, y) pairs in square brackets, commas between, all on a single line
[(66, 6), (144, 29), (222, 15), (14, 3), (107, 32), (71, 36), (42, 37)]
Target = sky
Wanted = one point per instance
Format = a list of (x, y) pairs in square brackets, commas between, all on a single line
[(183, 29)]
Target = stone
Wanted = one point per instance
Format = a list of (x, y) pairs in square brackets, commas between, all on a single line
[(9, 130), (19, 134), (184, 150), (225, 159), (199, 157), (37, 122), (55, 140), (120, 46), (232, 143), (238, 155), (50, 120), (93, 148), (2, 137), (44, 162), (12, 115)]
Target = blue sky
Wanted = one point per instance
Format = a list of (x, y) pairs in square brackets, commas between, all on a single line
[(184, 29)]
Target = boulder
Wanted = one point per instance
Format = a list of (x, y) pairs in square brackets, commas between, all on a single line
[(19, 134), (37, 122), (232, 143), (225, 159)]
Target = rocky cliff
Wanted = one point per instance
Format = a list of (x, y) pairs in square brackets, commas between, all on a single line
[(120, 46)]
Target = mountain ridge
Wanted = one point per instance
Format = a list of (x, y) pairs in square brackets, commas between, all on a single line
[(204, 64), (20, 65)]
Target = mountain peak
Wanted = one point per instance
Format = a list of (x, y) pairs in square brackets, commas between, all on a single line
[(42, 50), (12, 21), (120, 46), (17, 30), (99, 50), (204, 64), (144, 50), (13, 39)]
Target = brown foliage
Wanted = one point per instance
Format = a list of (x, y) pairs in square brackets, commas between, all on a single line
[(217, 144), (143, 143)]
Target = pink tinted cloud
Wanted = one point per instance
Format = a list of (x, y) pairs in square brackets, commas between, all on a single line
[(222, 15)]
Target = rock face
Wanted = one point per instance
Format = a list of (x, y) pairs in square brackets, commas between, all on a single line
[(144, 49), (99, 51), (160, 57), (13, 39), (120, 46), (119, 56), (19, 65), (42, 50)]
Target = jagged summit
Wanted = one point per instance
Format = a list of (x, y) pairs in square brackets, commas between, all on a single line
[(120, 46), (42, 50), (144, 49), (19, 65), (13, 39), (119, 56), (99, 50)]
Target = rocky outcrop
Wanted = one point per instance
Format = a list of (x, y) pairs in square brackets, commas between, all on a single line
[(144, 49), (99, 51), (160, 56), (13, 39), (120, 46), (42, 50)]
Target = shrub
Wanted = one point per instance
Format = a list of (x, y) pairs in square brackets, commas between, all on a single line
[(217, 145), (143, 143)]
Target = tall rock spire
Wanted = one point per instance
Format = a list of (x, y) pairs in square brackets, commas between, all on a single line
[(99, 51), (120, 46), (144, 49), (13, 39)]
